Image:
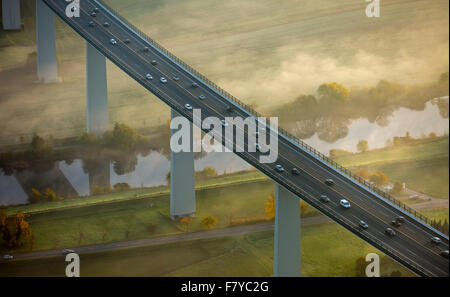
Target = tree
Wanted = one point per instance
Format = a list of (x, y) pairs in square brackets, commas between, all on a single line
[(334, 91), (270, 207), (186, 221), (122, 137), (51, 195), (15, 230), (35, 196), (379, 179), (398, 188), (363, 173), (207, 172), (362, 146), (119, 187), (209, 221), (360, 266), (303, 207)]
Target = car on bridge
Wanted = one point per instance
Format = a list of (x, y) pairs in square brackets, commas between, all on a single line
[(113, 41), (145, 49), (324, 198), (163, 80), (363, 225), (188, 106), (127, 40), (195, 85), (258, 147), (202, 97), (176, 78), (148, 76), (279, 168), (396, 223), (435, 240), (329, 182), (91, 24), (93, 14), (444, 254), (153, 62), (345, 203), (400, 219), (105, 24), (390, 232), (224, 123), (295, 171)]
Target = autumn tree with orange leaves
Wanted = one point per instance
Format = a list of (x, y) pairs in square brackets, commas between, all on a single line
[(15, 230)]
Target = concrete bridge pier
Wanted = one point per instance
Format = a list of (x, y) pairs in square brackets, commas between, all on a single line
[(182, 183), (11, 15), (97, 92), (47, 66), (286, 260)]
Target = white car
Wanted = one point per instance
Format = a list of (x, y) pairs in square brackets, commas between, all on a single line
[(7, 257), (436, 240), (224, 123), (148, 76), (68, 251), (113, 41), (279, 168), (163, 80), (202, 97), (258, 147), (188, 106), (344, 203)]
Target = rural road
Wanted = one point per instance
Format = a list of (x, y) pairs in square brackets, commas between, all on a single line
[(428, 201), (224, 232)]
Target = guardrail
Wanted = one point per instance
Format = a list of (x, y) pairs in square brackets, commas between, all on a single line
[(282, 131)]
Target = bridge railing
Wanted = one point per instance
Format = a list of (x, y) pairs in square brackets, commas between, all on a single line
[(282, 131)]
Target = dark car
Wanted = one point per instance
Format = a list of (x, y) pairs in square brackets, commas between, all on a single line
[(295, 171), (396, 223), (444, 254), (390, 232), (195, 85), (400, 219), (324, 198), (230, 109), (153, 62), (329, 182)]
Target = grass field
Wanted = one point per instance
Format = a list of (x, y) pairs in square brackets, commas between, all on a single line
[(292, 48), (140, 218), (437, 214), (422, 165), (327, 250), (219, 181)]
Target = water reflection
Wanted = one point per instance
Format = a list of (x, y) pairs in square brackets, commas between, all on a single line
[(79, 177)]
